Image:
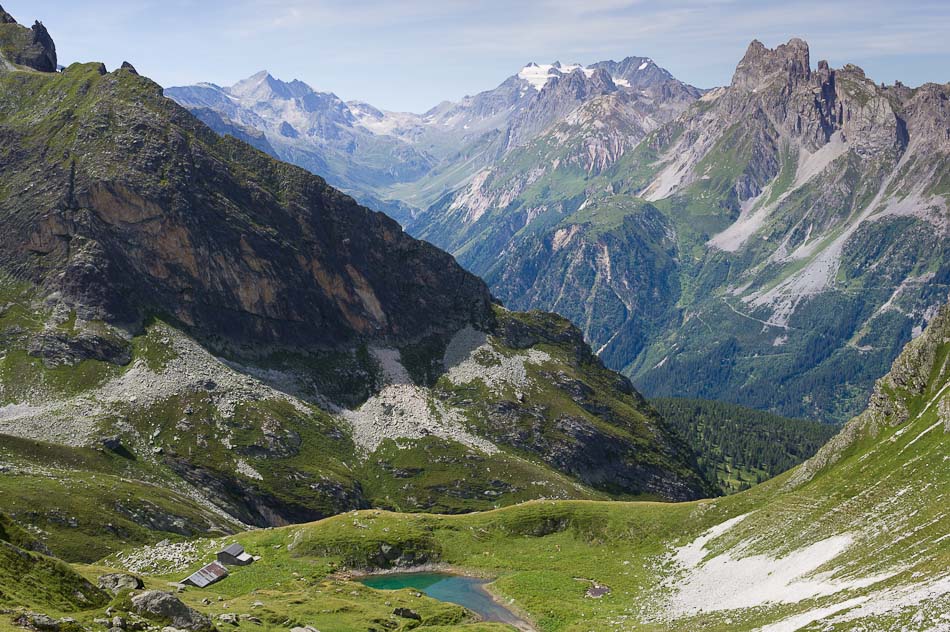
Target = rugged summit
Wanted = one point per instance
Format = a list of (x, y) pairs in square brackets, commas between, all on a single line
[(788, 64), (792, 194), (33, 47), (401, 162), (811, 192), (314, 130)]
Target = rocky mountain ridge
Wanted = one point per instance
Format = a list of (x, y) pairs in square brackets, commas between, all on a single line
[(783, 198), (32, 48), (401, 162), (642, 208)]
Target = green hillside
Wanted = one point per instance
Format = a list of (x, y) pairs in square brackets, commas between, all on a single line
[(854, 539)]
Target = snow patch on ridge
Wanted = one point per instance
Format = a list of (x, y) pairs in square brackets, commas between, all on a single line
[(729, 581), (537, 75)]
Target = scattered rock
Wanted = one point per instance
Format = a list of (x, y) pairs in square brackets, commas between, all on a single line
[(113, 444), (596, 591), (36, 621)]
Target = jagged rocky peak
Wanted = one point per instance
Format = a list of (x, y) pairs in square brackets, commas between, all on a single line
[(264, 85), (582, 84), (761, 66), (31, 47), (6, 18)]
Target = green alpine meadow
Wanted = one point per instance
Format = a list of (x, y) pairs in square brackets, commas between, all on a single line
[(595, 350)]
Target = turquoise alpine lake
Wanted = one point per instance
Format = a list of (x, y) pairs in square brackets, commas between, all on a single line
[(468, 592)]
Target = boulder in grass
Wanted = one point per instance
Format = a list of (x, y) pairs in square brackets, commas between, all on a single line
[(406, 613), (168, 607), (117, 582)]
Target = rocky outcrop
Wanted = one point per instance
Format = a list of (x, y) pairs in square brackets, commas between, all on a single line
[(788, 64), (59, 348), (40, 622), (117, 582), (31, 47), (167, 607)]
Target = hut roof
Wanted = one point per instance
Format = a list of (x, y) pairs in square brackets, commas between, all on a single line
[(234, 549), (207, 575)]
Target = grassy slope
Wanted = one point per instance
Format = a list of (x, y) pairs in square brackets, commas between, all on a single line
[(883, 482), (37, 581)]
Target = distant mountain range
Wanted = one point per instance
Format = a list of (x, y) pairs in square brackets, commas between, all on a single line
[(773, 242), (403, 162)]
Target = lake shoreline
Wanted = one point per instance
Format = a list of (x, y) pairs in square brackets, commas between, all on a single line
[(520, 620)]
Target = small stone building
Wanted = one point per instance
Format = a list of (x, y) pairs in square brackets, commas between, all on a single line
[(234, 555)]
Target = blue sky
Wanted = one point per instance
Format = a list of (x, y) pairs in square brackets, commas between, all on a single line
[(411, 54)]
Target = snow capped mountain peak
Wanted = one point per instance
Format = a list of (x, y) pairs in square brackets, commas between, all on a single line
[(537, 75)]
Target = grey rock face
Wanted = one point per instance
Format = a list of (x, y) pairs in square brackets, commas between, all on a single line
[(407, 613), (6, 18), (58, 348), (32, 47), (44, 50), (39, 622), (167, 606), (760, 65)]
